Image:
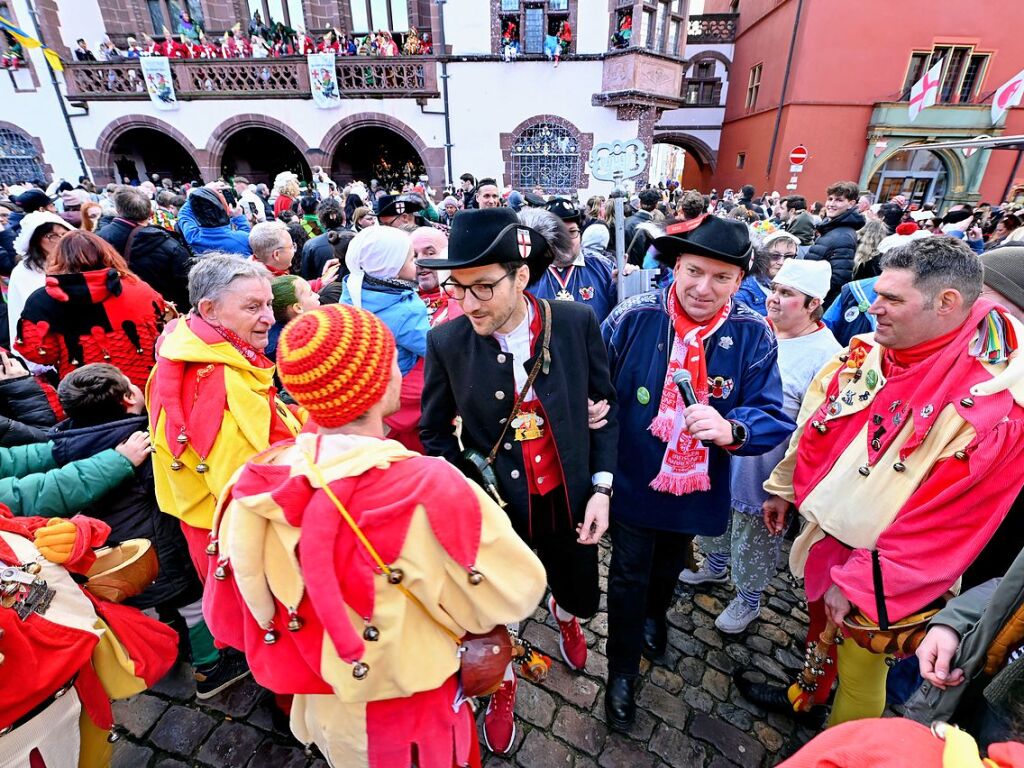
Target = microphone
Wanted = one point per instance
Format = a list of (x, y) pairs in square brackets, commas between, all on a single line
[(684, 382)]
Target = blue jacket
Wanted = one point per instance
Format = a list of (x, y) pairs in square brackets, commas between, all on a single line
[(590, 285), (750, 293), (402, 311), (848, 316), (230, 238), (744, 353)]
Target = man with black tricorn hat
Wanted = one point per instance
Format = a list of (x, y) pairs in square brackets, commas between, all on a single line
[(520, 371), (675, 482)]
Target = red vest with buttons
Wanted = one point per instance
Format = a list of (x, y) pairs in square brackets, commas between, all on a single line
[(540, 456)]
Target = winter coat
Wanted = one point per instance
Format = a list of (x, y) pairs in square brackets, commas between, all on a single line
[(205, 229), (752, 294), (802, 226), (93, 317), (130, 509), (156, 255), (32, 484), (27, 411), (402, 311), (315, 253), (743, 353), (636, 242), (837, 244)]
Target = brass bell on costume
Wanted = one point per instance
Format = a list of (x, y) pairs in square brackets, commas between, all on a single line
[(211, 548), (967, 402), (475, 577), (221, 572), (371, 633), (202, 466), (962, 455), (182, 437), (360, 670), (865, 470), (294, 621), (395, 576), (270, 636), (176, 465), (899, 466)]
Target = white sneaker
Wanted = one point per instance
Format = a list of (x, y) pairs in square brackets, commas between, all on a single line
[(736, 616), (703, 576)]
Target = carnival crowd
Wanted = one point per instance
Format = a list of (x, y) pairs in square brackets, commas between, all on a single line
[(360, 425)]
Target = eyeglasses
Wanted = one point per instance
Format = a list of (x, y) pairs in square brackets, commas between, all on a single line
[(480, 291), (574, 233)]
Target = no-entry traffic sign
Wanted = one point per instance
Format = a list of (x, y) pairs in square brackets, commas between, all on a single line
[(798, 155)]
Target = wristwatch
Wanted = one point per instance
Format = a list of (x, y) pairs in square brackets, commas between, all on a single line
[(739, 434), (606, 490)]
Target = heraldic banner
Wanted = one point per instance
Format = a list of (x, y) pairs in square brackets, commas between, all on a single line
[(156, 71), (323, 80)]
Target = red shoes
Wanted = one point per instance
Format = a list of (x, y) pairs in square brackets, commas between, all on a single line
[(499, 721), (571, 642)]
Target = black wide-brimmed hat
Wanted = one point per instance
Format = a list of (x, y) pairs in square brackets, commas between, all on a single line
[(492, 236), (706, 235), (565, 210), (396, 205)]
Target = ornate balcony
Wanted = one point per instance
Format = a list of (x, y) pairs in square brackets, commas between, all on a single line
[(711, 28), (287, 78), (638, 77)]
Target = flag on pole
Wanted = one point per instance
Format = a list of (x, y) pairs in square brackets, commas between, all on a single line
[(925, 92), (28, 42), (1007, 95)]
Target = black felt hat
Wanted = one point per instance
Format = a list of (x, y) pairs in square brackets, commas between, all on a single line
[(492, 236), (565, 210), (534, 200), (396, 205), (710, 236)]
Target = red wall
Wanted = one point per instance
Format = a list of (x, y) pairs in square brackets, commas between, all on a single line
[(847, 57)]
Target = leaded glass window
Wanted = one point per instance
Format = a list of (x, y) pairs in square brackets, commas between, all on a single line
[(548, 156), (19, 160)]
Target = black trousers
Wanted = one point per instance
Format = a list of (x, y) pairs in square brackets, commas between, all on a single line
[(646, 564), (571, 567)]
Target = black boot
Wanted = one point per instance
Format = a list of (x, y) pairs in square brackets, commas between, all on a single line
[(655, 638), (774, 698), (619, 704)]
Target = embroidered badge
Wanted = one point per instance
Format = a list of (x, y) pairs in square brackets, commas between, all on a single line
[(851, 314), (926, 411), (725, 342), (863, 306), (523, 240), (863, 397), (720, 387), (871, 379), (587, 293), (400, 207), (848, 397), (643, 396)]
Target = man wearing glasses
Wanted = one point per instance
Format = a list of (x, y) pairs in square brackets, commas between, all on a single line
[(519, 372)]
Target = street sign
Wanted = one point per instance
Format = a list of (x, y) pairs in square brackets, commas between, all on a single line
[(791, 186), (796, 169), (968, 151), (793, 179), (798, 155), (617, 160)]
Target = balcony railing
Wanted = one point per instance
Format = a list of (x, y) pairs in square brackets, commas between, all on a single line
[(711, 28), (287, 78)]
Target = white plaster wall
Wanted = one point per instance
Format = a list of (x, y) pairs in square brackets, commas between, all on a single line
[(81, 18), (488, 99), (37, 111), (592, 26), (467, 26)]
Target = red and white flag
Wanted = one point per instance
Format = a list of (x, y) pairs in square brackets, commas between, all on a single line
[(925, 92), (1007, 95)]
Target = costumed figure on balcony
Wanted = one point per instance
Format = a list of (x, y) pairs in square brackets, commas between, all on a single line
[(13, 55), (188, 27), (412, 45), (510, 41), (624, 34)]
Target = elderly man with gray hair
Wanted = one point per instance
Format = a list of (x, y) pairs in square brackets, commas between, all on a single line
[(273, 247), (211, 398)]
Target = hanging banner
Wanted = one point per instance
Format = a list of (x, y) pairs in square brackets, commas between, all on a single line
[(156, 71), (323, 80)]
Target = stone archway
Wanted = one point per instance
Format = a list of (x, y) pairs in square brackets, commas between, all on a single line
[(432, 158), (222, 135), (696, 175), (102, 159)]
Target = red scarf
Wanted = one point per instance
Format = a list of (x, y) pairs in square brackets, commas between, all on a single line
[(684, 468), (245, 349)]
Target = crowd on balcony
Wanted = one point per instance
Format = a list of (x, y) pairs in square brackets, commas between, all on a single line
[(256, 41)]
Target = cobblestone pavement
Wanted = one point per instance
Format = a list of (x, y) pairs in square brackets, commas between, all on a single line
[(689, 712)]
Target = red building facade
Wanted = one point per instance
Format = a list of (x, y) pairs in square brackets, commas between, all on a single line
[(842, 74)]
